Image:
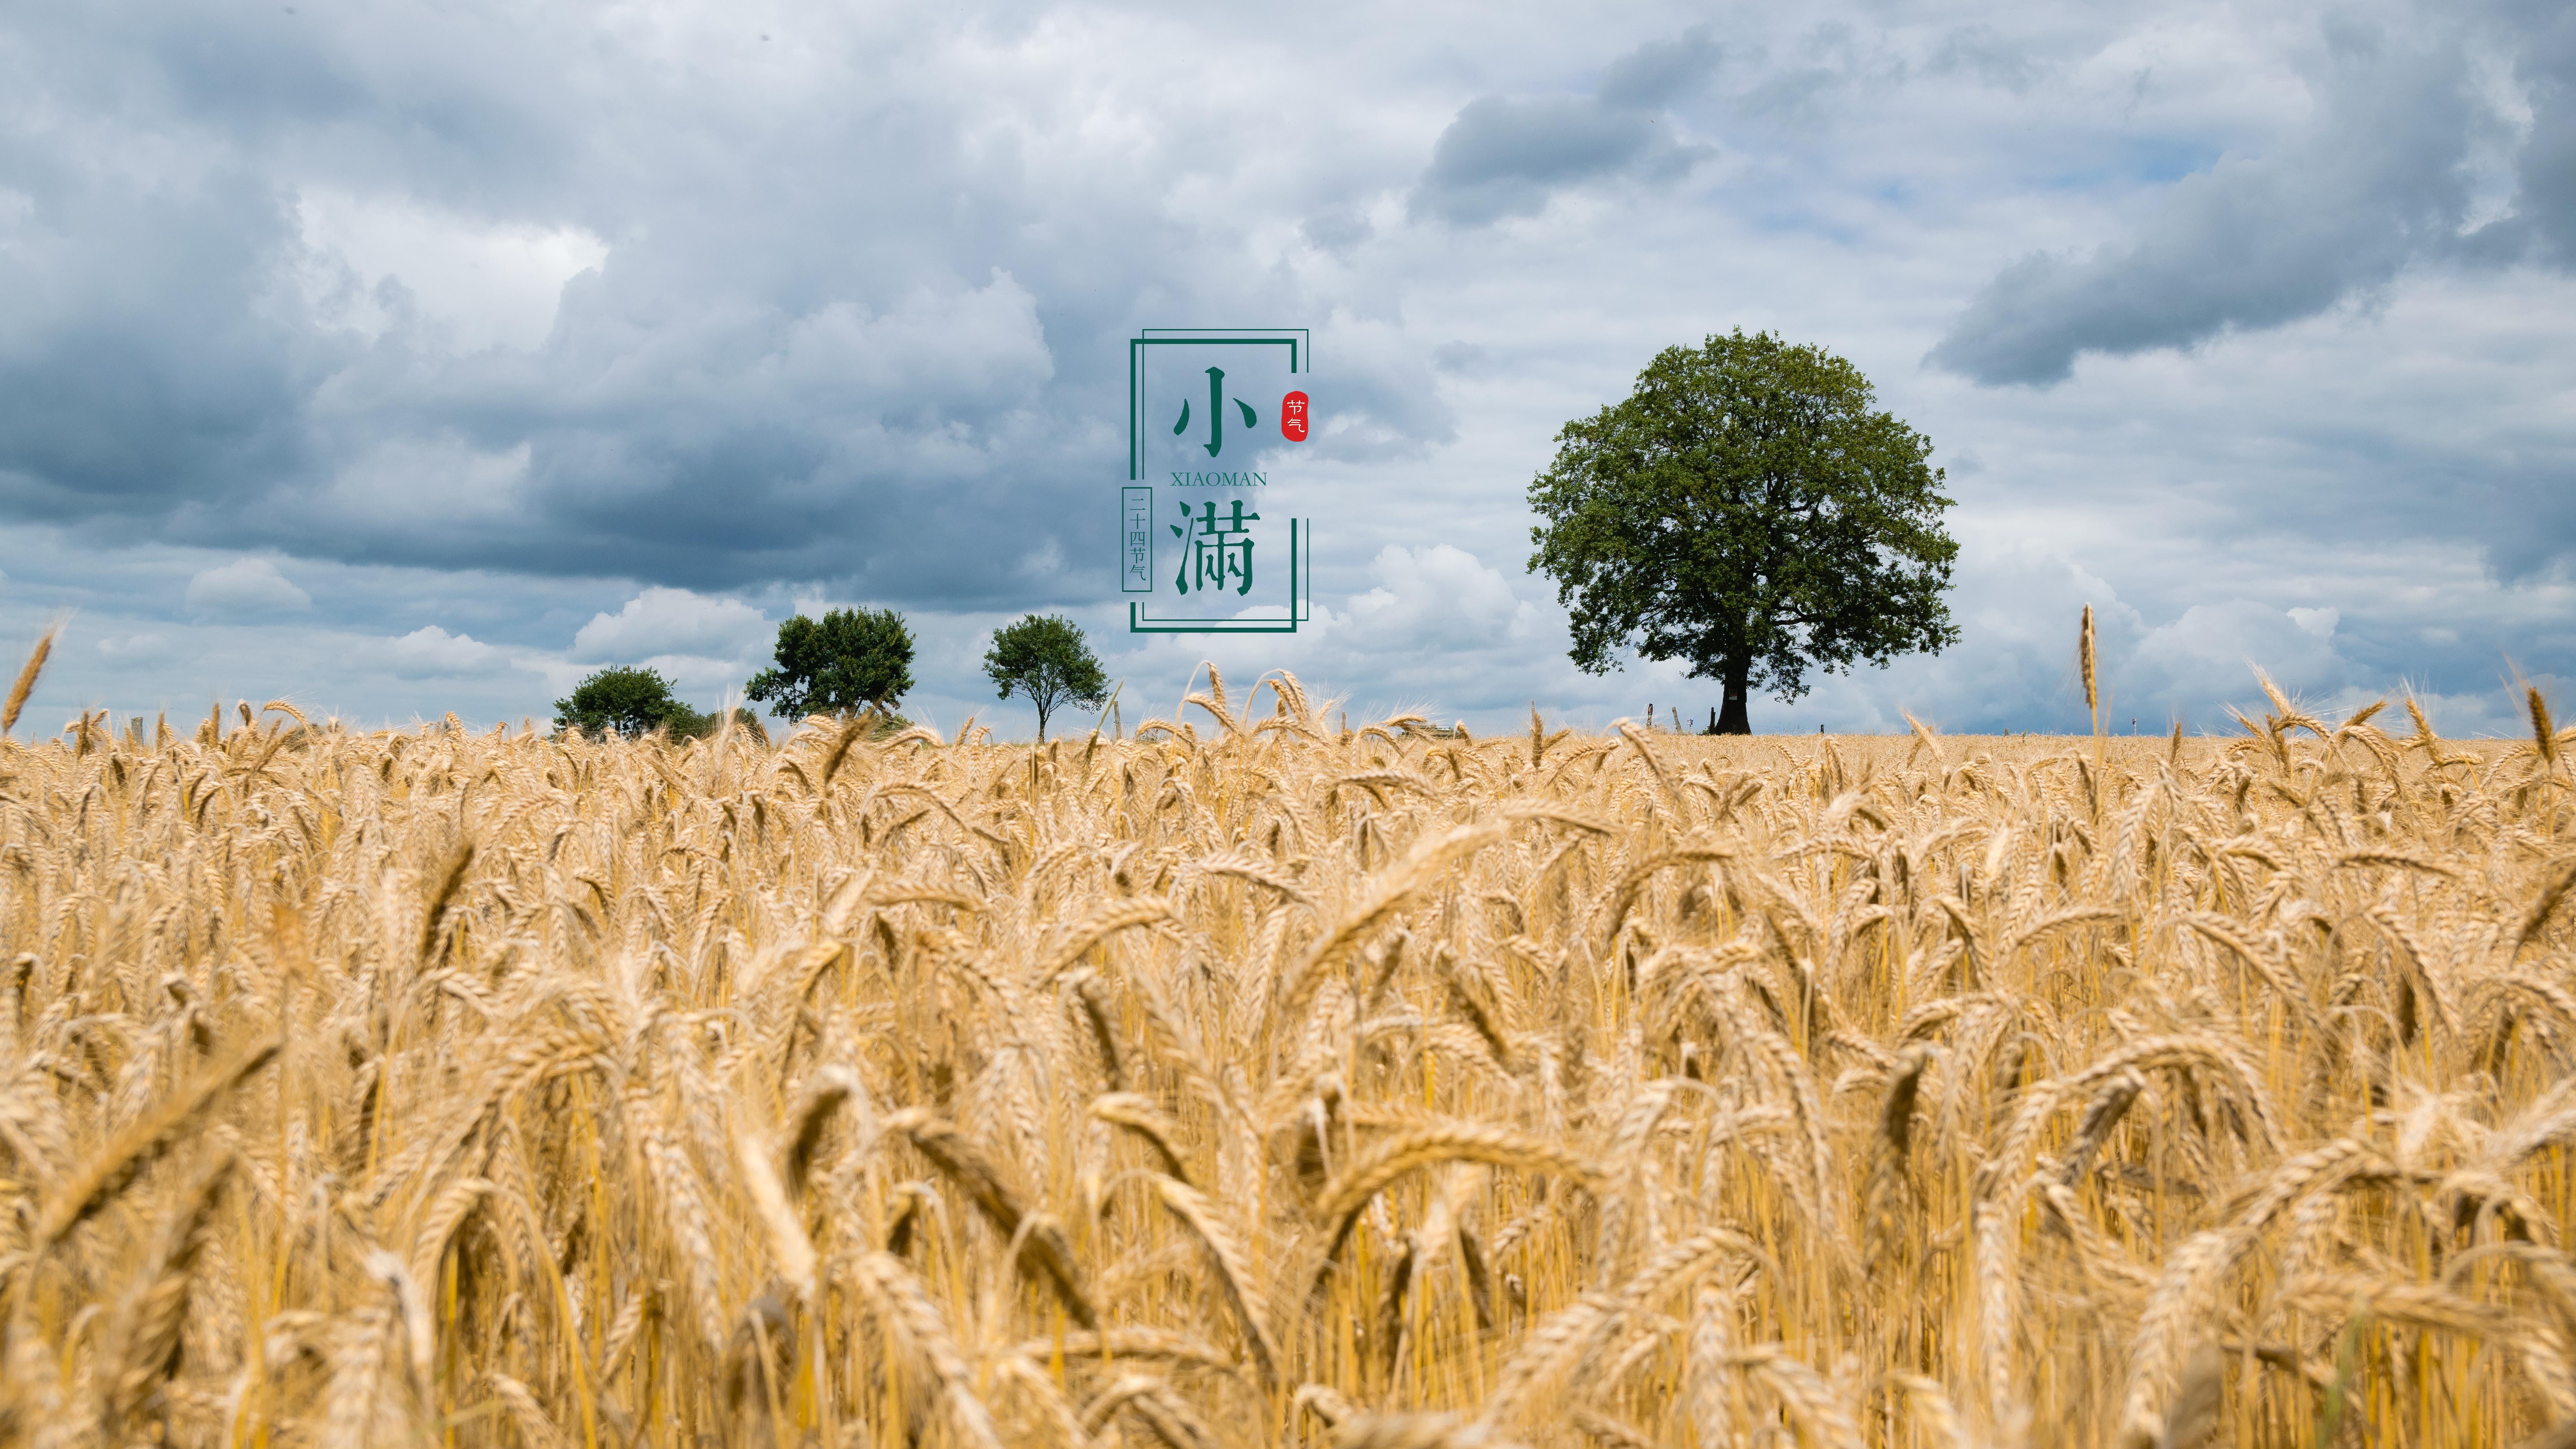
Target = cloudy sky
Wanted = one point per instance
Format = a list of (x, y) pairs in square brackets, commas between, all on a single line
[(411, 358)]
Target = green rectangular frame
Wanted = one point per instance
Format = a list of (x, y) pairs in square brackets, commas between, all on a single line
[(1301, 358)]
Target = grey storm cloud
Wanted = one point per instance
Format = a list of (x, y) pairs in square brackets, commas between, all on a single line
[(1661, 72), (2547, 167), (1505, 156), (397, 356), (751, 368), (2376, 181), (136, 359)]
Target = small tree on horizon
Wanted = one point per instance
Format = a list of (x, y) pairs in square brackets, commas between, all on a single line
[(627, 701), (849, 660), (1748, 509), (1045, 659)]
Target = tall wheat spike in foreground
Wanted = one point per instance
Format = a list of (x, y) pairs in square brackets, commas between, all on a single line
[(1254, 1083)]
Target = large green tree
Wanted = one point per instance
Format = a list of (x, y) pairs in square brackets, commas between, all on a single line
[(1747, 508), (849, 660), (1045, 659), (629, 702)]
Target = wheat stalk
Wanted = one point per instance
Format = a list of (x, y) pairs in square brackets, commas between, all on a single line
[(592, 1137)]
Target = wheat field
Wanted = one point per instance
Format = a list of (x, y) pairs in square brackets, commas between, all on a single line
[(1254, 1082)]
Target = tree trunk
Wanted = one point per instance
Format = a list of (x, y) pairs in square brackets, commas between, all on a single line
[(1731, 720)]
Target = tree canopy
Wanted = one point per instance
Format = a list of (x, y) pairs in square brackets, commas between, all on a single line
[(629, 702), (849, 660), (1746, 508), (1045, 659)]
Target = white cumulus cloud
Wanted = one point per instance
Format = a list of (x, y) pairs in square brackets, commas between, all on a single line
[(662, 622), (147, 648), (430, 651), (1437, 598), (373, 258), (246, 586)]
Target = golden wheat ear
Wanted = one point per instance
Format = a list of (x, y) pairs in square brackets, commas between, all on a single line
[(1883, 1199), (2085, 660), (114, 1167), (26, 684), (1349, 1194), (906, 1314), (1225, 1253), (143, 1340), (1043, 1252), (831, 1087), (1139, 1115), (790, 1248)]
